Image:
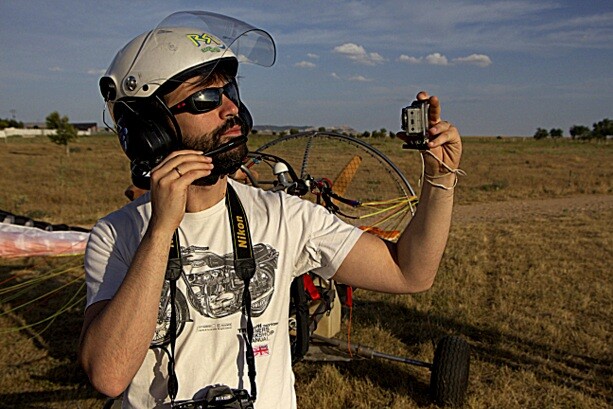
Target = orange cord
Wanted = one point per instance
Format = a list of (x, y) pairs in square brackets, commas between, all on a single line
[(349, 330)]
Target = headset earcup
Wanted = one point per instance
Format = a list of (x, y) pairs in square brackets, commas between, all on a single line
[(143, 139)]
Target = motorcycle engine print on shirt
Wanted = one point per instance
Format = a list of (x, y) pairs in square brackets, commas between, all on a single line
[(213, 288)]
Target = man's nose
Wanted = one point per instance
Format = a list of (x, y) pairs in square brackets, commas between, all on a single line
[(228, 107)]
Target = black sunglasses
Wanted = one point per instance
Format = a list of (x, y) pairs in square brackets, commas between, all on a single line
[(207, 99)]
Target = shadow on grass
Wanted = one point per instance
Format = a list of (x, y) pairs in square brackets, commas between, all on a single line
[(25, 309), (585, 374), (403, 382)]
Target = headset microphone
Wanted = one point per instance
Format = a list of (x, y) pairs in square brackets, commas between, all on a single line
[(227, 146)]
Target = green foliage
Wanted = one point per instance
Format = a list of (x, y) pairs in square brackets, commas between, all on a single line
[(600, 130), (54, 120), (541, 133), (321, 129), (603, 129), (555, 133), (65, 132), (293, 131), (381, 133), (579, 132), (10, 123)]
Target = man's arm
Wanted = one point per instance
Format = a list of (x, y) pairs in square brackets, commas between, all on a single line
[(117, 333), (410, 265)]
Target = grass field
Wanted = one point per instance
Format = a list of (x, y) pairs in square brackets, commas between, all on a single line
[(529, 287)]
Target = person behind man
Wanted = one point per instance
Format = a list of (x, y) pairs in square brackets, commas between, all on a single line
[(173, 95)]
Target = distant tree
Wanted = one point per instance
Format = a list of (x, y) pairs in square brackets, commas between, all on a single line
[(54, 120), (579, 132), (254, 132), (64, 132), (392, 134), (293, 131), (541, 133), (282, 133), (555, 133), (366, 134), (603, 129), (10, 123), (321, 129)]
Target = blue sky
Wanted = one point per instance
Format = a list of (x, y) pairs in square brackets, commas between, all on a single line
[(499, 67)]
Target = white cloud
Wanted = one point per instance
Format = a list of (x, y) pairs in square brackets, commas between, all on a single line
[(358, 54), (313, 56), (56, 69), (304, 64), (335, 76), (359, 78), (480, 60), (409, 59), (96, 71), (437, 59)]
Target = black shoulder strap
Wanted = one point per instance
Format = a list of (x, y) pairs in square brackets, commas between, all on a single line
[(173, 272), (244, 266)]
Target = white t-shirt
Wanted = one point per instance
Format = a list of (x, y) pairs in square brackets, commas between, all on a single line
[(290, 236)]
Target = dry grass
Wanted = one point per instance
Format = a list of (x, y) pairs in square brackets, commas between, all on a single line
[(530, 292)]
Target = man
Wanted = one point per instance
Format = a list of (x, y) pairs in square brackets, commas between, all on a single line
[(173, 95)]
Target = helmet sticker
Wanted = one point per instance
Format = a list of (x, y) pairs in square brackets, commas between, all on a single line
[(206, 39)]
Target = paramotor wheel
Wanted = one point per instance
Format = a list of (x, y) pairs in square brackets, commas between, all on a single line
[(369, 191), (450, 368)]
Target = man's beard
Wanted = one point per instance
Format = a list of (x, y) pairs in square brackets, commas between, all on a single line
[(225, 163)]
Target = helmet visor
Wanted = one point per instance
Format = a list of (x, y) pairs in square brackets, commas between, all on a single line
[(248, 44)]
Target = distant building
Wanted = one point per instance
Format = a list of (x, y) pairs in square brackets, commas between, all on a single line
[(91, 127), (34, 125), (32, 129)]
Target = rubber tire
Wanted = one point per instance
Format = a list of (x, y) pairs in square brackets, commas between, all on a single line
[(450, 369)]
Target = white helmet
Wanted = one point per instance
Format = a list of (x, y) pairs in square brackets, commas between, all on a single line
[(183, 42)]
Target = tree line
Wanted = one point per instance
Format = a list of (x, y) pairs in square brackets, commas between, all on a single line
[(10, 123), (600, 130)]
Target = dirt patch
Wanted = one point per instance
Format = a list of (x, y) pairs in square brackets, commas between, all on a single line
[(532, 208)]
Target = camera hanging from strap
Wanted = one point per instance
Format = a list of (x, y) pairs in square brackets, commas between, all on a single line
[(244, 266)]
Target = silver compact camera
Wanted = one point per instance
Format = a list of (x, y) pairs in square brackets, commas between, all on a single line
[(415, 125)]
